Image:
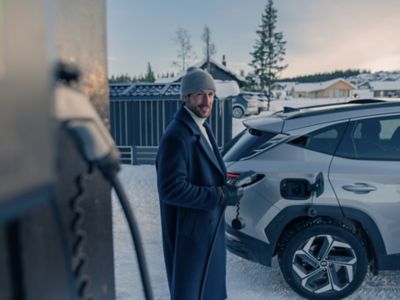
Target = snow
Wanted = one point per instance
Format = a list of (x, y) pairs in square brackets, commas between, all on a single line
[(377, 76), (318, 86), (226, 88), (245, 280), (385, 85)]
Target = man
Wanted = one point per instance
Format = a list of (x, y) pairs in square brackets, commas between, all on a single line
[(193, 193)]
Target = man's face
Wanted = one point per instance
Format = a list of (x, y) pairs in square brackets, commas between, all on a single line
[(200, 102)]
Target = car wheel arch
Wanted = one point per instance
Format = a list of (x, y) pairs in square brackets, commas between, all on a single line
[(238, 105), (291, 217)]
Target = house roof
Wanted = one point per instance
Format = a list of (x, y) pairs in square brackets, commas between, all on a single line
[(385, 85), (223, 68), (144, 89), (202, 65), (117, 88), (318, 86)]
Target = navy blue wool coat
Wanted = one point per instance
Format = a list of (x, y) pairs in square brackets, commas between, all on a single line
[(188, 175)]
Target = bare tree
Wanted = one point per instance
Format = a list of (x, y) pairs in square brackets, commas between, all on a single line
[(209, 48), (184, 51)]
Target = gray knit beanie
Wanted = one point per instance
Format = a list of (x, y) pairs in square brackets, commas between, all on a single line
[(196, 80)]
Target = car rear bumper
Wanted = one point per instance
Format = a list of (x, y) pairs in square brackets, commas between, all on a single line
[(247, 247)]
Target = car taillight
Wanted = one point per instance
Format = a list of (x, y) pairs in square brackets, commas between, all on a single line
[(233, 176)]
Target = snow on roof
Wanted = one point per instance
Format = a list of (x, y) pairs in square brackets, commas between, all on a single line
[(199, 65), (226, 88), (385, 85), (224, 68), (318, 86), (142, 89)]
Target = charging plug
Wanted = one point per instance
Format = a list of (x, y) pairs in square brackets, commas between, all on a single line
[(242, 179), (74, 109)]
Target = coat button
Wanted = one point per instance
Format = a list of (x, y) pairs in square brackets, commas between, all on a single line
[(211, 222)]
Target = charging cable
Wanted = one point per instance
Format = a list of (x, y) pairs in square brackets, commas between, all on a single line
[(241, 180), (74, 110)]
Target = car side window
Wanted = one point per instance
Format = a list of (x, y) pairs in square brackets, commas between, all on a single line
[(372, 139), (323, 140)]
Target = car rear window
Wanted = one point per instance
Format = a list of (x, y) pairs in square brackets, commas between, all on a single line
[(246, 144)]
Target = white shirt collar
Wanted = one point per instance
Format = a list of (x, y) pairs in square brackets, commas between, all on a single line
[(199, 121)]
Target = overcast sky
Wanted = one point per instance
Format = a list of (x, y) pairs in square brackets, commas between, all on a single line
[(321, 35)]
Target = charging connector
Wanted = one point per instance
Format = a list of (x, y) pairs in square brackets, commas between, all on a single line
[(76, 113), (74, 110)]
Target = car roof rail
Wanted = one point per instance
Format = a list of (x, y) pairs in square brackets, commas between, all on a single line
[(288, 109), (366, 101)]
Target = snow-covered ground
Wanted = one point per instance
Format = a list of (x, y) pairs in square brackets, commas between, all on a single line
[(245, 280)]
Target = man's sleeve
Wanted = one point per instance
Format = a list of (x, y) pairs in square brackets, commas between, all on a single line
[(172, 178)]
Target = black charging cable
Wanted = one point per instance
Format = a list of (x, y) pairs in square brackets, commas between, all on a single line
[(210, 253), (243, 179), (133, 228), (55, 207), (109, 166)]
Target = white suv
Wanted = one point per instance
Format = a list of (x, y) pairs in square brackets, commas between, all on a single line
[(326, 198)]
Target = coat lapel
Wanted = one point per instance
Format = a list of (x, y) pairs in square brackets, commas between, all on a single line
[(213, 156), (215, 148), (209, 153)]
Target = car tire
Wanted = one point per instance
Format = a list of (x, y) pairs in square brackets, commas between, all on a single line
[(323, 260), (237, 112)]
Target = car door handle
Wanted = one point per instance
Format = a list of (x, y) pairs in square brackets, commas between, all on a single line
[(359, 188)]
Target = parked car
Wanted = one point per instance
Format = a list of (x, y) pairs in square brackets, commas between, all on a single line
[(326, 196), (244, 106), (261, 98)]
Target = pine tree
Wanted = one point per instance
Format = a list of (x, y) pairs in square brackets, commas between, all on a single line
[(149, 77), (269, 52)]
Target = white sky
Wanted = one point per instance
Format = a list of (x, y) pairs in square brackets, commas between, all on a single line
[(321, 35)]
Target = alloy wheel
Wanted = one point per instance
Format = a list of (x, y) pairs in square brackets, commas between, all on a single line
[(324, 263)]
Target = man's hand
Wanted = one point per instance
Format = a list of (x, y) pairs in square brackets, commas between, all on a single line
[(231, 194)]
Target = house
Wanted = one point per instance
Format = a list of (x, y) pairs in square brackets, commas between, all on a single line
[(221, 71), (283, 90), (217, 70), (335, 88), (383, 88)]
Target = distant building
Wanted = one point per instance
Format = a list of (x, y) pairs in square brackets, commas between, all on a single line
[(382, 88), (335, 88), (283, 89), (217, 70)]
